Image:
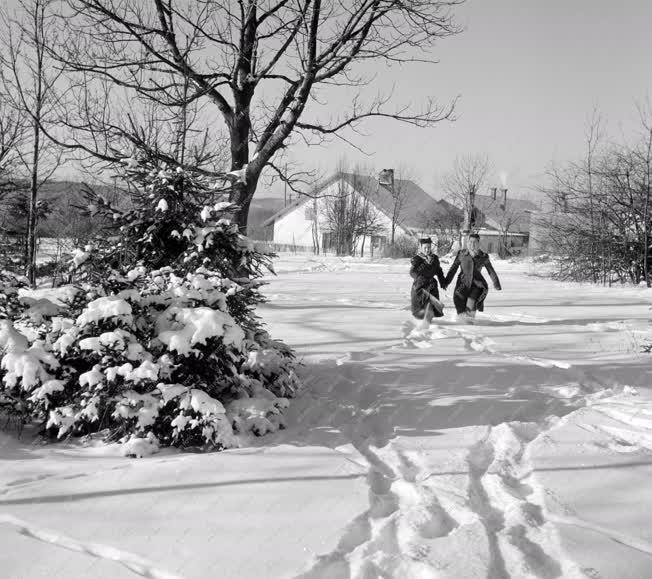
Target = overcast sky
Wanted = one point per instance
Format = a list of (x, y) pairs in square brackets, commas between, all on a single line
[(529, 73)]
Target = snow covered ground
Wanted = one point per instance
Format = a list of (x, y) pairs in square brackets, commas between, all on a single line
[(516, 447)]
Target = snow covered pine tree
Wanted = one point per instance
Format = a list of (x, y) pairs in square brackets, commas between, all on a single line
[(161, 344)]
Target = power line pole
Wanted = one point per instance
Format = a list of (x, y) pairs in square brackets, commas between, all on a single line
[(285, 188)]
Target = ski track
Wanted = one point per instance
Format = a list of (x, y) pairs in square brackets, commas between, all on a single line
[(510, 503), (26, 482), (392, 539), (412, 514), (136, 564)]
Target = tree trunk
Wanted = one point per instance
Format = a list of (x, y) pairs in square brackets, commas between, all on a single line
[(240, 195), (646, 211), (31, 219), (243, 190)]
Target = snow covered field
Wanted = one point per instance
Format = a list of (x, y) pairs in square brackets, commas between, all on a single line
[(516, 447)]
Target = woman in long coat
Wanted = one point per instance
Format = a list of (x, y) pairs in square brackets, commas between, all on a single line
[(471, 287), (424, 269)]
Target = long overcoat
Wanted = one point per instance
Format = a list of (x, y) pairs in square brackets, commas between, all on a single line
[(471, 274), (424, 269)]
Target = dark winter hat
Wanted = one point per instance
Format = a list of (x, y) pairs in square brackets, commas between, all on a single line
[(424, 240), (474, 236)]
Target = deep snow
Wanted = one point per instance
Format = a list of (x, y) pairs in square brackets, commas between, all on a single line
[(515, 447)]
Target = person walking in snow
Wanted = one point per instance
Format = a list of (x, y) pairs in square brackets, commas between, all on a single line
[(424, 296), (471, 287)]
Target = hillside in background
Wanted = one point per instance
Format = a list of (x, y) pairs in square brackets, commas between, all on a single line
[(262, 209), (66, 218)]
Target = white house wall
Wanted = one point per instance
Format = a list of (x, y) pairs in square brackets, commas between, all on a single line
[(294, 228)]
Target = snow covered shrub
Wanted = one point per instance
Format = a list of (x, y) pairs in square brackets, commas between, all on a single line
[(404, 246), (10, 284), (161, 344)]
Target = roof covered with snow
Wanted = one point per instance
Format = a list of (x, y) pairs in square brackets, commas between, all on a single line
[(417, 206), (515, 213)]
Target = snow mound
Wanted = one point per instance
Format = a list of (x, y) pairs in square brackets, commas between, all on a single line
[(139, 447), (260, 415)]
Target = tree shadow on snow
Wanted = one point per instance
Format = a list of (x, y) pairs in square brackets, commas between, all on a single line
[(411, 397)]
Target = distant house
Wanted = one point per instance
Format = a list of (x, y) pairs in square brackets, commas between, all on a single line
[(504, 223), (304, 223)]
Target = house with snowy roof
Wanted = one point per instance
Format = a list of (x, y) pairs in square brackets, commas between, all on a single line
[(504, 224), (399, 204)]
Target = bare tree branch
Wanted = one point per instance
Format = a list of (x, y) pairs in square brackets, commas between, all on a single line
[(235, 56)]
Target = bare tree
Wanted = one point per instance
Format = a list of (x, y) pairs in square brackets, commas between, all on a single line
[(349, 215), (12, 135), (462, 183), (314, 225), (508, 219), (399, 191), (593, 137), (446, 223), (29, 81), (370, 221), (260, 64), (600, 227), (643, 154), (12, 132)]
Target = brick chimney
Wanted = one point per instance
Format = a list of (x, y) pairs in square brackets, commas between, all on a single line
[(494, 191), (504, 203)]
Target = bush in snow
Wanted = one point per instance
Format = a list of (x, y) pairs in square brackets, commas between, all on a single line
[(161, 341), (404, 246), (10, 284)]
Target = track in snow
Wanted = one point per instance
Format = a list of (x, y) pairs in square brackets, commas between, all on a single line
[(138, 565), (414, 523)]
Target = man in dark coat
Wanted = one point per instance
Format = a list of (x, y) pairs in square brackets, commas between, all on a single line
[(471, 287), (425, 292)]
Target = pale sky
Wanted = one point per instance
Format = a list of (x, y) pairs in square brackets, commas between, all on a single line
[(529, 73)]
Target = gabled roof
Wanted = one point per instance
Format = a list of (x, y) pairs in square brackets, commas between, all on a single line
[(417, 205), (516, 212), (287, 209)]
